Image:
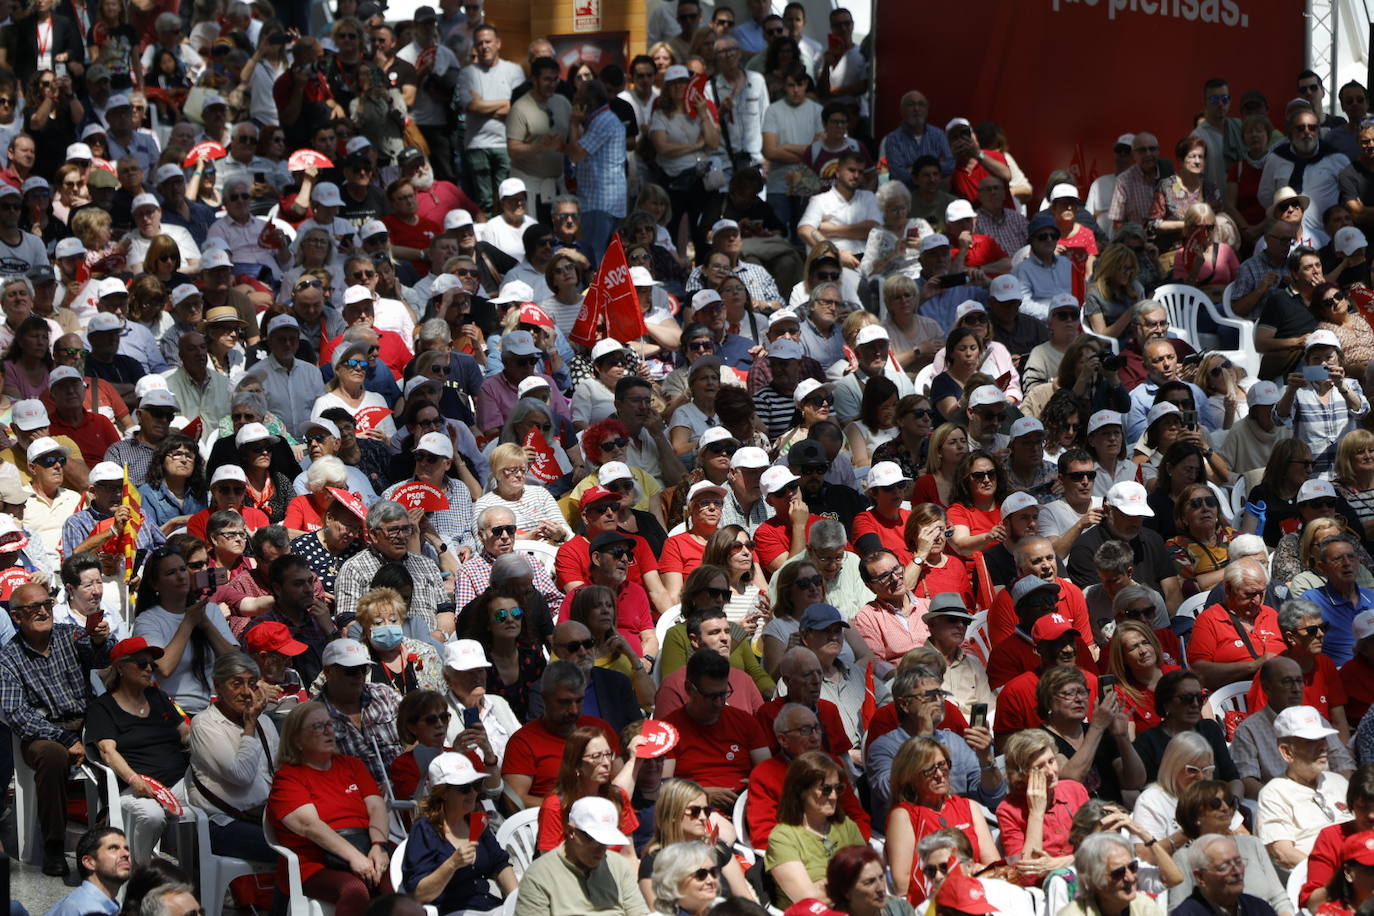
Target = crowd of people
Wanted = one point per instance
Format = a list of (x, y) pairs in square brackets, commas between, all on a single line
[(909, 560)]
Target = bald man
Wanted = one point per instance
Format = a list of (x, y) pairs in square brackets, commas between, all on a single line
[(800, 671), (201, 390), (610, 695)]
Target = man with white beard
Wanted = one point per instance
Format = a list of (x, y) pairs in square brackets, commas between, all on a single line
[(434, 197)]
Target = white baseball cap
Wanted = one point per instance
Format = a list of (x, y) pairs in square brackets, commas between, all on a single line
[(106, 472), (144, 200), (705, 488), (1017, 501), (957, 122), (606, 348), (64, 374), (1062, 191), (30, 414), (1064, 301), (676, 72), (884, 474), (212, 258), (79, 151), (347, 653), (957, 210), (1322, 338), (704, 299), (371, 228), (112, 286), (612, 471), (1025, 426), (1104, 418), (987, 395), (359, 294), (1129, 497), (1315, 488), (183, 292), (253, 432), (722, 225), (442, 284), (465, 655), (1349, 240), (532, 383), (1364, 625), (1007, 288), (167, 172), (1162, 409), (934, 240), (34, 183), (70, 247), (435, 444), (750, 456), (640, 276), (1263, 393), (779, 317), (968, 307), (716, 434), (457, 219), (228, 472), (326, 193), (453, 769), (158, 397), (805, 388), (1302, 722), (1125, 140), (775, 478), (415, 383), (598, 818), (511, 187), (514, 291), (43, 445), (148, 383), (323, 424), (869, 333)]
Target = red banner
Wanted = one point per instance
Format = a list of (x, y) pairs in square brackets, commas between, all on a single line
[(545, 467), (1194, 247), (371, 418), (420, 495)]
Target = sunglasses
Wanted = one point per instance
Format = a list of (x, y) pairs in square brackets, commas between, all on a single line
[(704, 346), (826, 401), (810, 581), (1191, 699), (1200, 502), (364, 274), (619, 551), (614, 445), (827, 276), (983, 475), (1080, 476), (360, 364), (143, 664), (1133, 866), (931, 871), (696, 812), (701, 874), (1317, 629), (719, 449), (74, 352), (504, 614), (576, 645), (815, 468), (720, 594), (48, 461), (258, 448), (1222, 801), (502, 531), (434, 718), (233, 197), (310, 284), (427, 458)]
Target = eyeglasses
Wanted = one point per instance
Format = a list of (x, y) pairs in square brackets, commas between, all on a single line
[(399, 531), (514, 471), (434, 718), (806, 731), (1205, 772), (1080, 476), (930, 871), (809, 581), (935, 769), (574, 646), (598, 757), (504, 614), (718, 696), (503, 531), (1045, 236), (1191, 699), (828, 789), (1117, 874), (1138, 613), (465, 272), (1203, 502), (360, 364), (701, 874), (319, 728)]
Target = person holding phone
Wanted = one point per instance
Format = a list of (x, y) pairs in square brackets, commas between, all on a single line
[(1319, 403)]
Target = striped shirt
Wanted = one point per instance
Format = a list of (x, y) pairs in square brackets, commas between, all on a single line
[(777, 411), (1321, 425)]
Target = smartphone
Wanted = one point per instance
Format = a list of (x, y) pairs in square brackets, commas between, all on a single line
[(93, 620), (1114, 363), (206, 579), (139, 556), (1192, 359), (959, 279), (978, 716), (1105, 682), (1190, 419), (472, 717), (1315, 373)]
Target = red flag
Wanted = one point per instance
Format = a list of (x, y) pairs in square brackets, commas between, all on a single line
[(591, 320), (869, 708), (545, 467), (1194, 248), (611, 297)]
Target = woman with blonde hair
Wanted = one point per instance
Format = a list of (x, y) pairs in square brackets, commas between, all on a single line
[(661, 53), (537, 516), (1033, 785), (683, 815), (912, 338), (402, 663), (1216, 266), (948, 445), (1220, 381), (94, 228), (1355, 476), (1112, 291), (1298, 568), (1136, 659), (1187, 759)]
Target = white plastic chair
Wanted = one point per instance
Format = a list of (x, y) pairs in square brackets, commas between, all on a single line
[(394, 869), (977, 638), (216, 871), (1193, 606), (518, 836), (1184, 303), (1230, 698), (1296, 879), (543, 551), (666, 621), (1239, 490), (923, 380), (1111, 343), (100, 792), (297, 903)]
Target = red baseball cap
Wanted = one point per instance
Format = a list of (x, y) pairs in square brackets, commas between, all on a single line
[(127, 647), (1050, 627), (1359, 847), (965, 894), (596, 495), (272, 636), (533, 314)]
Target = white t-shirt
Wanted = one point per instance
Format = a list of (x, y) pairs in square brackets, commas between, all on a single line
[(493, 83), (831, 207), (1154, 811), (1291, 811), (186, 246), (696, 422), (158, 626), (370, 399), (510, 239), (592, 402), (1058, 517), (17, 259), (794, 125)]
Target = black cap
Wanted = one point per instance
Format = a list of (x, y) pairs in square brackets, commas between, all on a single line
[(425, 14), (409, 156), (608, 539), (368, 9), (807, 451)]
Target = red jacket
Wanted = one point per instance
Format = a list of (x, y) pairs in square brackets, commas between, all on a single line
[(765, 789)]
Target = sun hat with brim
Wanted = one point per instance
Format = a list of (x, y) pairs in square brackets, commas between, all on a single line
[(222, 314), (947, 604)]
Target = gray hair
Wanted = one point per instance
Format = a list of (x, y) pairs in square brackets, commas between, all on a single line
[(565, 674), (1113, 556), (566, 199), (1295, 611), (223, 520), (1237, 572), (152, 904), (1321, 548), (1131, 593), (893, 190), (1197, 856), (487, 513), (906, 682), (1090, 861), (232, 664), (782, 721), (1146, 307), (436, 329), (360, 334), (827, 534), (672, 865), (250, 399), (383, 511), (167, 22), (509, 566), (17, 280), (821, 287), (233, 183), (522, 409), (326, 471), (1247, 545), (934, 842)]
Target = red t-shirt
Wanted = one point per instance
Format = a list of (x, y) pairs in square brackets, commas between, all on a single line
[(773, 538), (1215, 638), (391, 347), (964, 181), (633, 614), (551, 820), (891, 532), (926, 490), (301, 515), (1325, 858), (1142, 708), (536, 752), (1322, 689), (1358, 677), (714, 755), (440, 198), (953, 576), (338, 795), (833, 736), (765, 789), (1069, 796), (573, 563), (1002, 615), (418, 236), (1016, 703), (253, 519), (681, 554), (1016, 655), (982, 250), (976, 520), (93, 436), (744, 696)]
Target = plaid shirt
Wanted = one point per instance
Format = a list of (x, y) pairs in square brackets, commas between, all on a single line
[(1010, 232), (376, 744), (82, 525), (1321, 426), (134, 454), (454, 524), (755, 278), (1252, 271), (902, 150), (601, 176), (475, 575), (355, 577), (1133, 197), (38, 690)]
